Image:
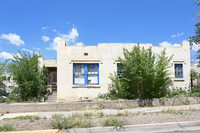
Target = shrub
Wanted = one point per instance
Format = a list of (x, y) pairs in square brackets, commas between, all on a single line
[(177, 92), (74, 121), (30, 78), (143, 75), (88, 114), (100, 114), (81, 123), (113, 122), (6, 128), (27, 117), (60, 122)]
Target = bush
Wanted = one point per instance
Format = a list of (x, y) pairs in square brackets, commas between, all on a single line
[(6, 128), (30, 78), (113, 122), (177, 92), (195, 91), (27, 117), (143, 75), (74, 121), (60, 122)]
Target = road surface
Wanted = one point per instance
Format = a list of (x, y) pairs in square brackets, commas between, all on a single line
[(175, 127)]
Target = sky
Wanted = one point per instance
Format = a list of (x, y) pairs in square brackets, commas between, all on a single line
[(36, 25)]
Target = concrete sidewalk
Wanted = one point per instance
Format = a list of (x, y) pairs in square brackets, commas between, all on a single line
[(106, 111)]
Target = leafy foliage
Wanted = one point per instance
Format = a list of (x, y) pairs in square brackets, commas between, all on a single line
[(195, 39), (193, 76), (30, 78), (145, 75), (27, 117), (2, 78), (6, 128), (113, 122), (60, 122)]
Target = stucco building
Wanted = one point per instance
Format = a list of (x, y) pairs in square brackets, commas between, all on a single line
[(82, 71)]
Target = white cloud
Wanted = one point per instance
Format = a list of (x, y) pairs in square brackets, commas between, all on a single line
[(176, 44), (168, 44), (70, 38), (79, 44), (6, 55), (195, 47), (12, 38), (44, 28), (165, 43), (177, 35), (27, 50), (54, 30), (45, 38)]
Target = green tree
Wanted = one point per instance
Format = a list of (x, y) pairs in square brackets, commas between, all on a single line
[(193, 76), (195, 39), (30, 78), (2, 78), (145, 75)]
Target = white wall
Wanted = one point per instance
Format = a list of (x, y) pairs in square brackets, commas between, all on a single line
[(106, 54)]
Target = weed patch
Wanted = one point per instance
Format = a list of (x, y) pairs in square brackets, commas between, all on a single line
[(176, 112), (6, 128), (74, 121), (113, 122), (27, 117)]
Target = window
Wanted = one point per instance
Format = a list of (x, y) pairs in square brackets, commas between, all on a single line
[(178, 70), (120, 70), (86, 74)]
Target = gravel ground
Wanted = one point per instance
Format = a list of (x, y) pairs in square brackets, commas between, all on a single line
[(140, 118), (23, 125)]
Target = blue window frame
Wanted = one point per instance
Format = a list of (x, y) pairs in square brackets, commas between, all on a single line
[(120, 70), (178, 70), (85, 74)]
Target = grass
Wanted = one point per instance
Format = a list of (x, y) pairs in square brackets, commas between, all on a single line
[(74, 121), (173, 111), (121, 106), (113, 122), (27, 117), (100, 114), (6, 128), (94, 107), (88, 114)]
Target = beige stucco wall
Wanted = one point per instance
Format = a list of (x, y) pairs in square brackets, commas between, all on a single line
[(47, 63), (106, 54)]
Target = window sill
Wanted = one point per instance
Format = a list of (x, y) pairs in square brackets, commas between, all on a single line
[(85, 86), (179, 79)]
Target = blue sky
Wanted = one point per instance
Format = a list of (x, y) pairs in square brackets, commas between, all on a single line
[(35, 25)]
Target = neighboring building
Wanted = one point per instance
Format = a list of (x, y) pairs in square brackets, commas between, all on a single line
[(52, 73), (82, 71)]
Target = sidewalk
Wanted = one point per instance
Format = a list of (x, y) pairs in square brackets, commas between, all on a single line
[(106, 111)]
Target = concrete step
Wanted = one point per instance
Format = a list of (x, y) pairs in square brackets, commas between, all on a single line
[(52, 97)]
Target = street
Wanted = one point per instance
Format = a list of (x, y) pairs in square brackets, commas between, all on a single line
[(175, 127)]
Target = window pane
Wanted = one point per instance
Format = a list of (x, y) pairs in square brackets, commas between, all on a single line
[(178, 70), (93, 74), (79, 75), (92, 78), (120, 70)]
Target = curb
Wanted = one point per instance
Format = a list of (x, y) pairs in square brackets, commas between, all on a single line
[(39, 131)]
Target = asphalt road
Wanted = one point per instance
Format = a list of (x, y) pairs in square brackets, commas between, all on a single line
[(177, 127)]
